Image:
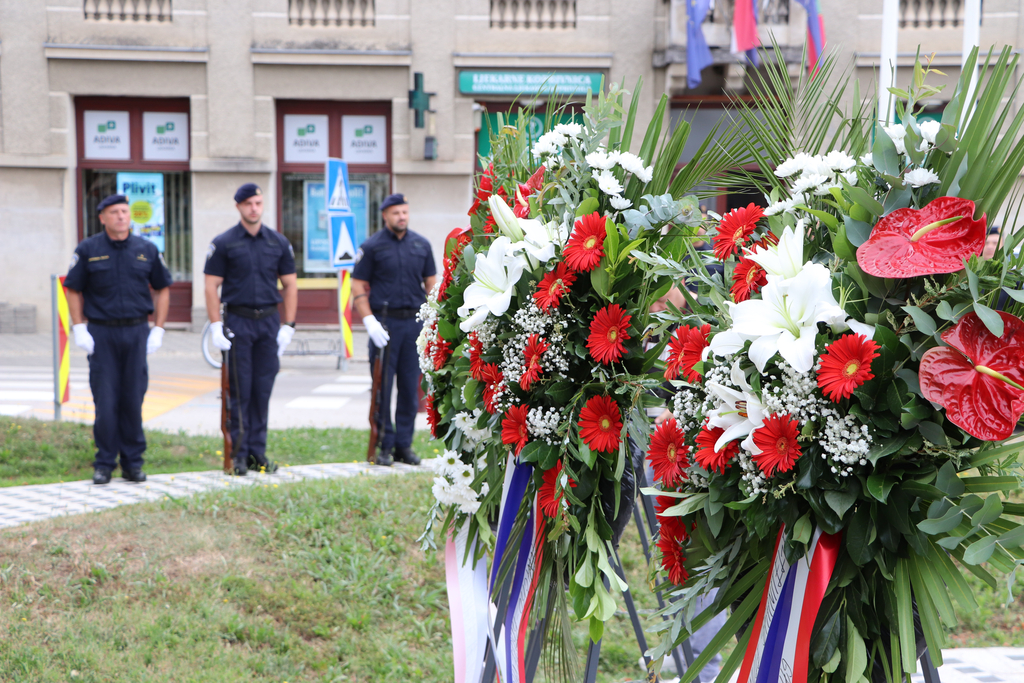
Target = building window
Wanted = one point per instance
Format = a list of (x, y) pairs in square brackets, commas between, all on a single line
[(931, 13), (127, 10), (769, 12), (533, 14), (331, 12)]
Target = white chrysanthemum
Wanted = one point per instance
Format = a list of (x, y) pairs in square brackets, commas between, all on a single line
[(785, 205), (868, 159), (619, 203), (809, 181), (604, 161), (791, 166), (549, 143), (929, 130), (572, 130), (608, 183), (897, 133), (635, 165), (850, 177), (839, 160), (920, 177)]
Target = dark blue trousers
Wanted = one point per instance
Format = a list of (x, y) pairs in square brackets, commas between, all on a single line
[(252, 369), (118, 377), (403, 365)]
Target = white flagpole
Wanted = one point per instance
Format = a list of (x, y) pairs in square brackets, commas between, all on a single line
[(972, 39), (887, 60)]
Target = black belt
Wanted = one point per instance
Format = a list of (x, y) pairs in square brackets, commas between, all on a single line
[(120, 322), (399, 313), (252, 313)]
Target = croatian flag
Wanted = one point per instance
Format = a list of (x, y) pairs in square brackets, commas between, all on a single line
[(698, 54), (815, 33), (744, 30), (780, 638)]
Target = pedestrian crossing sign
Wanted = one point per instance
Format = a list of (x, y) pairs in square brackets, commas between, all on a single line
[(337, 184), (343, 245)]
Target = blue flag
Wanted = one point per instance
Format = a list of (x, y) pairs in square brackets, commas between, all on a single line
[(815, 32), (698, 55)]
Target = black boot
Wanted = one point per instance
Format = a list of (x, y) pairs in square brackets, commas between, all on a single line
[(384, 458), (241, 467), (136, 475), (405, 454), (259, 463), (100, 475)]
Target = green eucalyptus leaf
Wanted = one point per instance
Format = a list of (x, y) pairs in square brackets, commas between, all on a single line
[(946, 523), (922, 320), (989, 512), (947, 481), (993, 321), (980, 551)]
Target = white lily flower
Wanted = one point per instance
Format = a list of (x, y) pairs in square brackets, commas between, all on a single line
[(508, 223), (785, 319), (784, 260), (897, 133), (726, 344), (608, 183), (920, 177), (539, 239), (739, 411), (601, 160), (494, 279)]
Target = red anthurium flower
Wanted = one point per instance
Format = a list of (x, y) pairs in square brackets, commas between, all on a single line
[(484, 191), (668, 454), (777, 440), (671, 539), (585, 247), (979, 377), (608, 329), (492, 378), (524, 190), (549, 495), (514, 431), (535, 348), (735, 228), (476, 363), (845, 365), (442, 350), (748, 278), (706, 455), (912, 242), (685, 350), (433, 416), (553, 286), (601, 424)]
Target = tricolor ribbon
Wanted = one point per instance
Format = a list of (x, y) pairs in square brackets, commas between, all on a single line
[(467, 602), (781, 633)]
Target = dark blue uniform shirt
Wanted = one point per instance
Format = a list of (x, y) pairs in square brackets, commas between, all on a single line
[(114, 277), (250, 265), (395, 269)]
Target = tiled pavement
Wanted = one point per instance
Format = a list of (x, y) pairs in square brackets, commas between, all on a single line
[(22, 504)]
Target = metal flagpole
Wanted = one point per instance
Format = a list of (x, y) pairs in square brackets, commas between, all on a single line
[(972, 39), (887, 61), (55, 320)]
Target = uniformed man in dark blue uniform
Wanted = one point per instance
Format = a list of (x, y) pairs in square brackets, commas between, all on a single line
[(246, 262), (395, 269), (108, 284)]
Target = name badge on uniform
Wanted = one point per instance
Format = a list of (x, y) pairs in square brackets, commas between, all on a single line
[(141, 257), (99, 258)]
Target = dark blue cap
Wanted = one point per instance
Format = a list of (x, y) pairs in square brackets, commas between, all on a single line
[(110, 201), (392, 200), (994, 230), (246, 191)]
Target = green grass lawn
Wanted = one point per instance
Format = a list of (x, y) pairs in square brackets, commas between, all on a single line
[(37, 452)]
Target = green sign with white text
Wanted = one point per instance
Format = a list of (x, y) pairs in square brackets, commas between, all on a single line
[(528, 83)]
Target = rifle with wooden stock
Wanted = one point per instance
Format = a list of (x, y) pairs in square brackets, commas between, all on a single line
[(379, 374)]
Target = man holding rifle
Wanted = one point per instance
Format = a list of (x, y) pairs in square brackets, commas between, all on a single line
[(246, 262), (393, 273)]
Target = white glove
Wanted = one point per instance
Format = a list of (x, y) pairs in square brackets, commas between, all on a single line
[(155, 341), (378, 335), (83, 339), (284, 338), (217, 336)]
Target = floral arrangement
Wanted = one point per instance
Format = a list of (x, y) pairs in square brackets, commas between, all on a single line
[(852, 379)]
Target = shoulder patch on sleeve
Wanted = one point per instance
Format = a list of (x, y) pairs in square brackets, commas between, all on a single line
[(290, 250), (359, 255), (74, 261), (162, 261), (209, 250)]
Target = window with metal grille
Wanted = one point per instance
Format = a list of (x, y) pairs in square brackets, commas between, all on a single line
[(127, 10), (331, 12), (533, 14)]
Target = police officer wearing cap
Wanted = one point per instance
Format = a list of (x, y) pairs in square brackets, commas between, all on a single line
[(108, 284), (394, 271), (246, 263)]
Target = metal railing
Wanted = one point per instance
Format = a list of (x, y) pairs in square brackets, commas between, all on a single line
[(127, 10), (533, 14), (931, 13), (331, 12)]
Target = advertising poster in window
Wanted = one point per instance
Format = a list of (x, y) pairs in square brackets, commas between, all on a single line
[(164, 136), (364, 139), (107, 135), (316, 239), (358, 204), (305, 139), (145, 193)]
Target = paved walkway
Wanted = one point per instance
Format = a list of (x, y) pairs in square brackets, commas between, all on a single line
[(23, 504)]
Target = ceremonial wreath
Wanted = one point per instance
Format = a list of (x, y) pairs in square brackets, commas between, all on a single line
[(844, 387)]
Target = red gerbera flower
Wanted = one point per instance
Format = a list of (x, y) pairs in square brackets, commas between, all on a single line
[(585, 247), (514, 431), (535, 348), (492, 377), (549, 495), (446, 282), (601, 424), (433, 416), (777, 440), (489, 225), (685, 350), (668, 454), (845, 365), (476, 364), (707, 457), (748, 278), (671, 538), (735, 228), (608, 329), (553, 286), (442, 350)]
